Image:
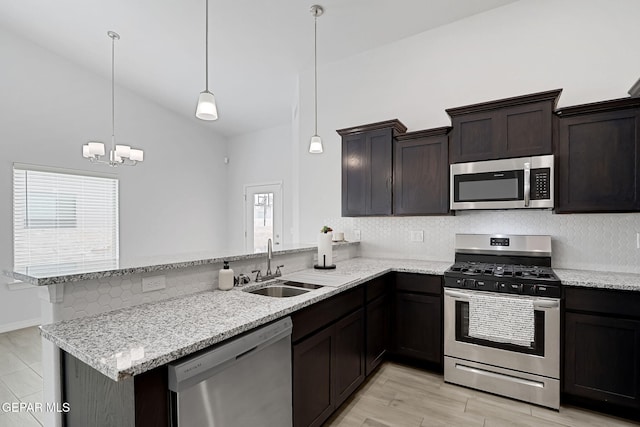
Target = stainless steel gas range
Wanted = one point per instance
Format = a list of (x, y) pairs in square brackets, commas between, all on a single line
[(502, 317)]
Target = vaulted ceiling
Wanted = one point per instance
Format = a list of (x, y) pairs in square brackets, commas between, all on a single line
[(256, 47)]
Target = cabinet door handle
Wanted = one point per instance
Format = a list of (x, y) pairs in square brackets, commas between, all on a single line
[(527, 183)]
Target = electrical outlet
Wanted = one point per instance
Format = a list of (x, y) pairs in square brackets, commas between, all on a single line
[(153, 283), (417, 236), (356, 235)]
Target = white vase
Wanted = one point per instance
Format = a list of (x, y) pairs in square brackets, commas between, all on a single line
[(325, 251)]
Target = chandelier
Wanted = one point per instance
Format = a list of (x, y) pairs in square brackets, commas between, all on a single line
[(118, 154)]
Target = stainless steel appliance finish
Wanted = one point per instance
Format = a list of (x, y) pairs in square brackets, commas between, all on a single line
[(515, 244), (243, 382), (516, 267), (540, 390), (523, 182), (547, 365)]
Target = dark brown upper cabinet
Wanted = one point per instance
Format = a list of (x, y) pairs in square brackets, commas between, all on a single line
[(421, 173), (598, 157), (367, 165), (512, 127)]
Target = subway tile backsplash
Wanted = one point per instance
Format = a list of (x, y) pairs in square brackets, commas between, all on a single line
[(605, 242)]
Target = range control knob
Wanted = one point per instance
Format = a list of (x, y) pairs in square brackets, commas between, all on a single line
[(469, 283), (516, 287), (541, 290)]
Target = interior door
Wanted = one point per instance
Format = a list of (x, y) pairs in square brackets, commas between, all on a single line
[(263, 216)]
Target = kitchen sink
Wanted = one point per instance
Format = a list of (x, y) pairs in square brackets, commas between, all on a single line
[(279, 291), (285, 289), (299, 284)]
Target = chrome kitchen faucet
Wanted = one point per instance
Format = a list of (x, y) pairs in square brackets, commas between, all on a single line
[(268, 275)]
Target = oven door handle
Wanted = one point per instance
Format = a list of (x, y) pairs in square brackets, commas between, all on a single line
[(462, 296), (457, 295), (546, 304)]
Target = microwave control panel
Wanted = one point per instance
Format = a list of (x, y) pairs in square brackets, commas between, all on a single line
[(541, 184)]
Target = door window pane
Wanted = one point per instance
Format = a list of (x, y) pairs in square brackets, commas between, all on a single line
[(262, 220)]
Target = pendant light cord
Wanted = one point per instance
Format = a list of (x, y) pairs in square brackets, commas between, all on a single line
[(315, 67), (206, 47), (113, 96)]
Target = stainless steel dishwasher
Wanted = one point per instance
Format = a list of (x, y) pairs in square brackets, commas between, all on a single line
[(243, 382)]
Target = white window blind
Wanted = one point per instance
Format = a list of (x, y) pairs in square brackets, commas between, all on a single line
[(62, 217)]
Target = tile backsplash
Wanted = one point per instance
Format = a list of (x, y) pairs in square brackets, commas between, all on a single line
[(605, 242), (90, 297)]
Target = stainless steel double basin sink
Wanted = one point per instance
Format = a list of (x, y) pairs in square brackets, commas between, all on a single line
[(284, 289)]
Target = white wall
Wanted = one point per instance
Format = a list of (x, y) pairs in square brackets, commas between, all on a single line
[(585, 47), (258, 158), (49, 107)]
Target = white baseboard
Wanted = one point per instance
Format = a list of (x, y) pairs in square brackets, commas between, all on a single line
[(7, 327)]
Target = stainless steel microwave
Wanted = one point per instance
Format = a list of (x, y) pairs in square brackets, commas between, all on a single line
[(521, 183)]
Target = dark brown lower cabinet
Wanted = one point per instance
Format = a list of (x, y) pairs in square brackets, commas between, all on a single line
[(603, 358), (327, 367), (313, 360), (602, 348), (349, 355), (417, 323), (378, 321)]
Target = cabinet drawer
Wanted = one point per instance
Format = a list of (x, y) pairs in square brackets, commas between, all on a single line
[(377, 287), (418, 283), (318, 315), (605, 301)]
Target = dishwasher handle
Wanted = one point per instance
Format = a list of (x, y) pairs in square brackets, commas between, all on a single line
[(186, 373)]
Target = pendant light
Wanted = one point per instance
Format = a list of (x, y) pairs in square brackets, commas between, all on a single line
[(206, 109), (315, 145), (119, 154)]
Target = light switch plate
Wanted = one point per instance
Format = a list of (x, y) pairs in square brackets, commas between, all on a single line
[(154, 283), (417, 236), (356, 235)]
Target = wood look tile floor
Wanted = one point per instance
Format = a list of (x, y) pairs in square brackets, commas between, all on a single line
[(397, 396), (20, 375), (394, 396)]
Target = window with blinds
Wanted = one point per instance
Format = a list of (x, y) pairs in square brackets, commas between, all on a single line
[(62, 217)]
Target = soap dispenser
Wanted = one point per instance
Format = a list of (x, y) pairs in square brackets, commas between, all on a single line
[(225, 278)]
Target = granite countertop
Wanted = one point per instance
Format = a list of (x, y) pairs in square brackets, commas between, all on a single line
[(75, 272), (130, 341), (599, 279)]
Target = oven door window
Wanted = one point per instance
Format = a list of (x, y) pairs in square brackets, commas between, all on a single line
[(489, 186), (462, 333)]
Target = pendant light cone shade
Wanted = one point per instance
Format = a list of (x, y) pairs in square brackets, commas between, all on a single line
[(315, 145), (207, 109)]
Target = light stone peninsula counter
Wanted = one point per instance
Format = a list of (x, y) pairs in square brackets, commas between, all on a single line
[(130, 341)]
